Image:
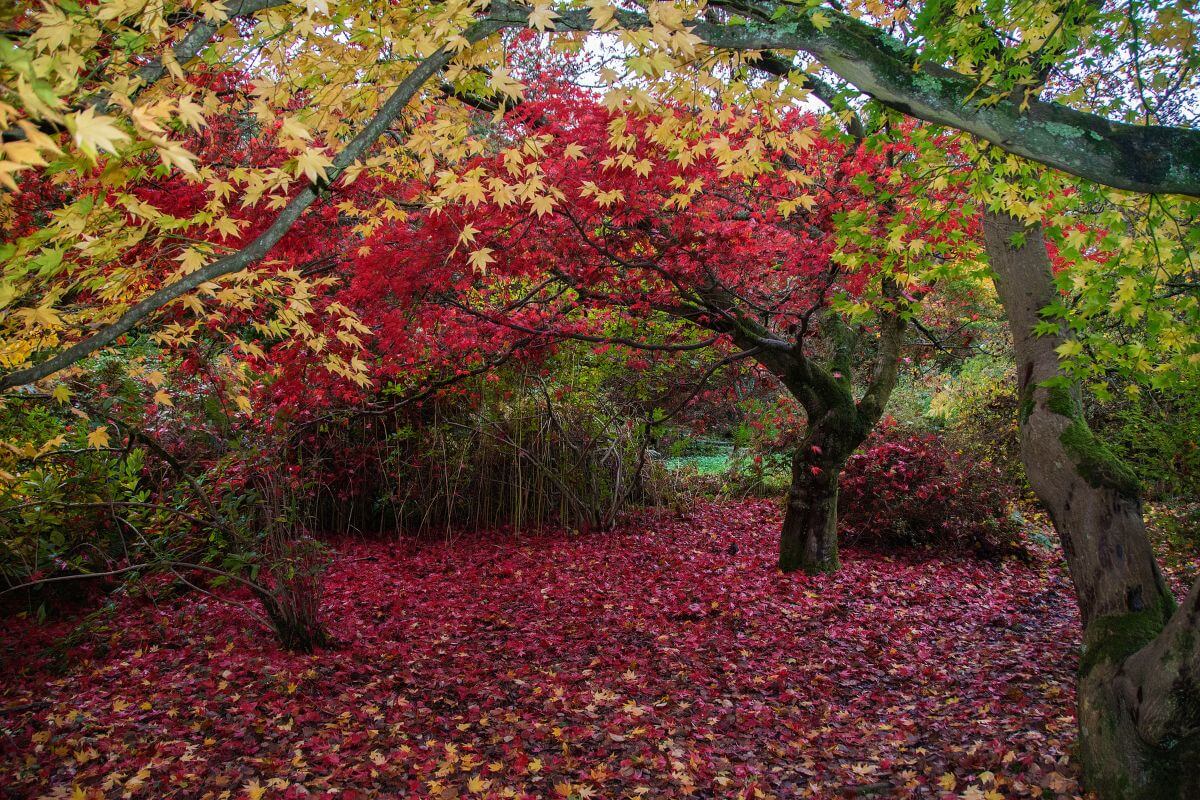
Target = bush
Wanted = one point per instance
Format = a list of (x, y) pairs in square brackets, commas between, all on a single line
[(1157, 433), (520, 461), (1175, 532), (910, 489), (977, 409)]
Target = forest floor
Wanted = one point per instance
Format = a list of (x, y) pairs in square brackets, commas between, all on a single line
[(669, 658)]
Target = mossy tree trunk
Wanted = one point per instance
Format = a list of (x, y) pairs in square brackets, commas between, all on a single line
[(809, 539), (837, 424), (1139, 676)]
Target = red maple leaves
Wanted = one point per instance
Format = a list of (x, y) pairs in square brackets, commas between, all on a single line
[(649, 662)]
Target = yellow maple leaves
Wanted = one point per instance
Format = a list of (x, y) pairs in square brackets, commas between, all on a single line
[(98, 438), (313, 164), (789, 206), (42, 316), (603, 14), (542, 17), (502, 82), (479, 259), (94, 132), (603, 198)]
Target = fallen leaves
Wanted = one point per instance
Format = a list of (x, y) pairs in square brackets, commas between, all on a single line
[(645, 662)]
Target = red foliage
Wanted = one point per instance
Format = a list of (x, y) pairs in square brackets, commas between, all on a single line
[(910, 489), (668, 659), (635, 229)]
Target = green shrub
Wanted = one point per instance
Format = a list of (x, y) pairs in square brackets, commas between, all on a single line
[(1158, 436), (976, 410)]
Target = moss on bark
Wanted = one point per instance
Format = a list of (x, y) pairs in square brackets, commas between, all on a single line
[(1112, 638), (1098, 464)]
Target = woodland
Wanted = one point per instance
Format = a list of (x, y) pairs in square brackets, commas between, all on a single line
[(753, 399)]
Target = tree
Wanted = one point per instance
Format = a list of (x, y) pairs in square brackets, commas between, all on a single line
[(1139, 680), (1023, 77), (1139, 703), (56, 97), (127, 49), (807, 253), (895, 56)]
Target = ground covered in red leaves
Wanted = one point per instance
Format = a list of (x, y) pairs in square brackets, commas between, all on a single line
[(667, 659)]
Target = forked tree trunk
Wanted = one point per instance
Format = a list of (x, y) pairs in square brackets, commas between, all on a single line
[(808, 540), (1139, 675)]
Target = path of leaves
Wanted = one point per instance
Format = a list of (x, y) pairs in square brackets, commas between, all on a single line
[(668, 659)]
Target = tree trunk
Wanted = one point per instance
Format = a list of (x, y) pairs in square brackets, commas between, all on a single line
[(837, 424), (808, 540), (1139, 676)]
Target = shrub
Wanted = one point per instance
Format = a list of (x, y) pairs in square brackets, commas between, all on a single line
[(910, 489), (1175, 532), (289, 566), (977, 409), (1158, 435)]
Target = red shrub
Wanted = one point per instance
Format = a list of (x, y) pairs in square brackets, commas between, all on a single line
[(909, 489)]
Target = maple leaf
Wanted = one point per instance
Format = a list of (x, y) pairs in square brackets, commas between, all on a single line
[(24, 153), (292, 128), (228, 226), (147, 117), (98, 438), (473, 191), (542, 17), (313, 164), (501, 81), (467, 234), (253, 789), (603, 14), (542, 204), (43, 316), (479, 259), (190, 114), (820, 20), (174, 155), (7, 170), (94, 132), (192, 259)]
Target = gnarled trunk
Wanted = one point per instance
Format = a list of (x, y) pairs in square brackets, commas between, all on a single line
[(1139, 677)]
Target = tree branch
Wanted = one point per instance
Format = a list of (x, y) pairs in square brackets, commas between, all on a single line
[(1141, 158), (258, 248)]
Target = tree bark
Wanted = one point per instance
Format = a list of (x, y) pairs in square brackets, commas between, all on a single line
[(837, 425), (1139, 674)]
